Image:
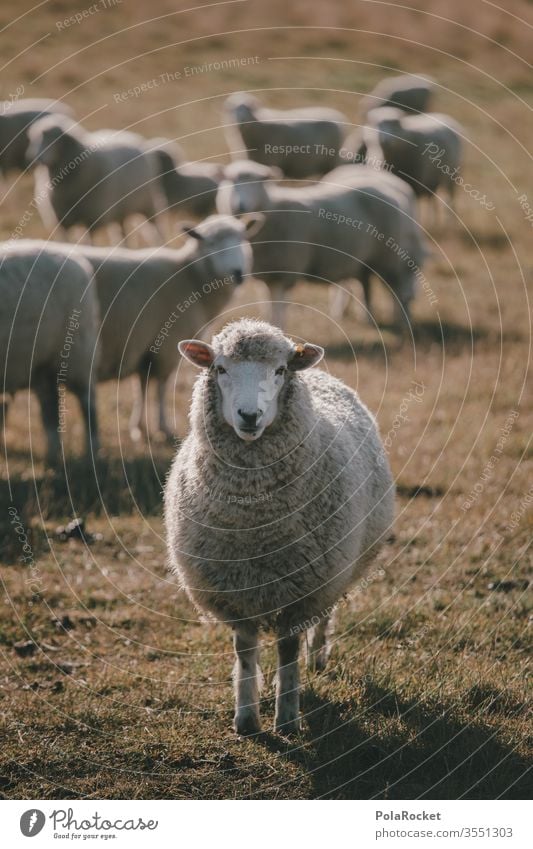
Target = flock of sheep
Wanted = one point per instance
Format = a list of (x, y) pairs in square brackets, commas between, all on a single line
[(266, 428), (346, 222)]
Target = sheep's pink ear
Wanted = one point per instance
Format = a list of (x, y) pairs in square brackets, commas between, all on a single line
[(198, 353), (276, 173), (305, 356)]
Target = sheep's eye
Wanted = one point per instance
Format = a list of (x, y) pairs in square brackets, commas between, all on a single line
[(221, 370), (281, 370)]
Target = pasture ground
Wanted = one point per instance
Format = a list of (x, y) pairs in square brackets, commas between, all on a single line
[(109, 686)]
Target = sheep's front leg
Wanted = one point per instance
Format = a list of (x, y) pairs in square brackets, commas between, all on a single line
[(279, 297), (287, 719), (246, 675), (318, 646)]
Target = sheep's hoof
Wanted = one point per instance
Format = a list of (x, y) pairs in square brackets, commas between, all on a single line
[(287, 727), (317, 661), (136, 434), (247, 723), (165, 436)]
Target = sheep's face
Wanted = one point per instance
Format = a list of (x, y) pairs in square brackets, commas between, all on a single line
[(391, 136), (49, 143), (245, 188), (241, 107), (223, 244), (250, 390)]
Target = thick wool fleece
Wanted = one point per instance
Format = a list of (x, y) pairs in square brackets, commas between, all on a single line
[(278, 528)]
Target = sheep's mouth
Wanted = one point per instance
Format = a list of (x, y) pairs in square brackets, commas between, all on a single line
[(249, 434)]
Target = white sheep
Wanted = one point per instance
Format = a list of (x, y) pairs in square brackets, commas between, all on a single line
[(352, 224), (302, 142), (424, 150), (150, 298), (48, 332), (92, 179), (277, 501)]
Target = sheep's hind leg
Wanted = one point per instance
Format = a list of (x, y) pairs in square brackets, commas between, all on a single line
[(339, 298), (87, 402), (139, 415), (164, 427), (287, 719), (246, 676), (46, 388), (318, 645)]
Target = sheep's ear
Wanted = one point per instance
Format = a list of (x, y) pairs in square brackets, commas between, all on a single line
[(276, 173), (198, 353), (190, 230), (253, 223), (305, 356)]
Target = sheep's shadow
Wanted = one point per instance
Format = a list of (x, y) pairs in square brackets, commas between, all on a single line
[(421, 335), (110, 485), (423, 753)]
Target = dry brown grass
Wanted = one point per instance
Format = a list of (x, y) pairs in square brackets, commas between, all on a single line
[(427, 691)]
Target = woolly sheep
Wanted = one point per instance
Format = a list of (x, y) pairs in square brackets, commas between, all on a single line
[(424, 150), (302, 142), (190, 188), (277, 501), (354, 223), (48, 332), (408, 92), (16, 119), (92, 179), (150, 298)]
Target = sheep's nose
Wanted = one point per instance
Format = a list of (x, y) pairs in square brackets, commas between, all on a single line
[(250, 419), (238, 276)]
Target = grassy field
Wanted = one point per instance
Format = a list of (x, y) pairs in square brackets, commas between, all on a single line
[(109, 685)]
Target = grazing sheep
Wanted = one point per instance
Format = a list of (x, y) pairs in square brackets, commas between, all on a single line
[(408, 92), (190, 188), (277, 501), (302, 142), (48, 332), (92, 179), (150, 298), (355, 149), (16, 119), (424, 150), (354, 223)]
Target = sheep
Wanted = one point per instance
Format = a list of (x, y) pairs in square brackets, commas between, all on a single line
[(301, 142), (424, 150), (277, 501), (354, 223), (16, 117), (190, 188), (355, 149), (407, 242), (48, 332), (409, 92), (149, 298), (92, 179)]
